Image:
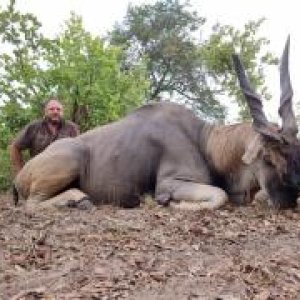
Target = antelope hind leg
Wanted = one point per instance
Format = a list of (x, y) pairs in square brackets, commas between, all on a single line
[(50, 172), (71, 197)]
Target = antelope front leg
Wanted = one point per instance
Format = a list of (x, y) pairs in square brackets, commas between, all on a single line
[(190, 195)]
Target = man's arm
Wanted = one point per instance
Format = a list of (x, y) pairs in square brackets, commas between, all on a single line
[(20, 143), (16, 158)]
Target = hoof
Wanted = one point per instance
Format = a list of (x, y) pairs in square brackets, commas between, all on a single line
[(164, 199), (83, 204)]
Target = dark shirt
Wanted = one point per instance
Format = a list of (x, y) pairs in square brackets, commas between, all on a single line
[(36, 136)]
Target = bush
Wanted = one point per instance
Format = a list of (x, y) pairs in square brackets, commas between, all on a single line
[(5, 176)]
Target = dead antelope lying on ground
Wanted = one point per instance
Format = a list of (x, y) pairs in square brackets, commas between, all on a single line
[(164, 148)]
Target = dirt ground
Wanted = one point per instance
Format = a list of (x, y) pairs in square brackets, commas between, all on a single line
[(149, 253)]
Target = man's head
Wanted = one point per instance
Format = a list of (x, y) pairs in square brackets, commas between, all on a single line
[(53, 111)]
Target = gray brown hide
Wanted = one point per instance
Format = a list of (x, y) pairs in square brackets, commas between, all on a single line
[(165, 149)]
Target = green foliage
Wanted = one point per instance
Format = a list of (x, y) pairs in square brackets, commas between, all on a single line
[(87, 75), (5, 176), (164, 33), (22, 50), (217, 50), (22, 43), (11, 121), (75, 66), (181, 65)]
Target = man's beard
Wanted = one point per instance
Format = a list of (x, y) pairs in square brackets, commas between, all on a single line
[(54, 122)]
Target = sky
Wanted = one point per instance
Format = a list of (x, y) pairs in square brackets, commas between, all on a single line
[(282, 18)]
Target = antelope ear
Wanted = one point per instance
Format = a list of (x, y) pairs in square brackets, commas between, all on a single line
[(252, 150)]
